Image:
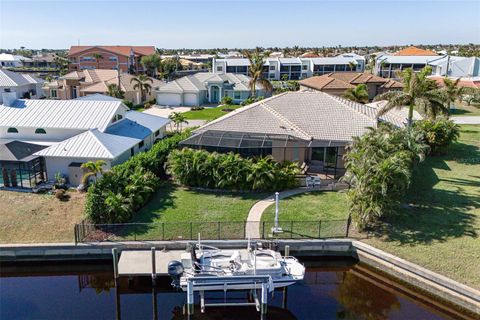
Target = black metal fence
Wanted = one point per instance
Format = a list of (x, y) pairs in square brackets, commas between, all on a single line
[(214, 230)]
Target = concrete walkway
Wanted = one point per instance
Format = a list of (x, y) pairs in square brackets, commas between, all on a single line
[(254, 218), (466, 120)]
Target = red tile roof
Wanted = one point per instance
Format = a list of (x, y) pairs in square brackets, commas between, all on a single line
[(346, 80), (121, 50), (464, 82), (414, 51)]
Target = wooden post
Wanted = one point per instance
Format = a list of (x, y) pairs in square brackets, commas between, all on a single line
[(287, 250), (263, 307), (190, 297), (115, 262), (154, 268)]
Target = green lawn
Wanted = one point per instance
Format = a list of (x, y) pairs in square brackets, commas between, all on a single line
[(322, 213), (440, 227), (462, 109), (176, 212), (209, 113)]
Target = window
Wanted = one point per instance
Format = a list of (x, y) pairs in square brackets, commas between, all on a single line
[(117, 117), (12, 130), (141, 144), (112, 59), (40, 131), (7, 90), (219, 68), (305, 67), (237, 95), (53, 93), (132, 152), (86, 58), (157, 133), (272, 68)]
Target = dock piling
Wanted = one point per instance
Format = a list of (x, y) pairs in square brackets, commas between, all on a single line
[(264, 298), (115, 262), (287, 250), (154, 268), (190, 298)]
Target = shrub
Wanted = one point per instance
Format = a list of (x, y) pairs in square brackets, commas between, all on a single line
[(128, 103), (379, 167), (197, 108), (227, 100), (147, 105), (229, 171), (115, 196), (59, 194), (438, 134)]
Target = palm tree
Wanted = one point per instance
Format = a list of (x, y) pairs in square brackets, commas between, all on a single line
[(262, 174), (152, 63), (418, 91), (119, 207), (453, 91), (357, 94), (352, 65), (255, 71), (97, 57), (295, 51), (115, 91), (141, 84), (178, 118), (93, 169)]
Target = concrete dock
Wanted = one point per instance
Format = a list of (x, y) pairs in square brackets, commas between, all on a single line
[(139, 262)]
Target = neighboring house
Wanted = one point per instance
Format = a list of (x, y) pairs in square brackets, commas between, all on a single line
[(81, 83), (391, 65), (13, 61), (44, 60), (456, 67), (309, 127), (125, 58), (204, 88), (72, 132), (336, 83), (15, 85), (293, 68)]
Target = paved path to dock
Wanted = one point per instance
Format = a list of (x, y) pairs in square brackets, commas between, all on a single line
[(255, 215), (466, 120)]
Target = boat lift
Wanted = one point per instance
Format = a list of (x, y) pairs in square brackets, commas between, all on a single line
[(254, 282)]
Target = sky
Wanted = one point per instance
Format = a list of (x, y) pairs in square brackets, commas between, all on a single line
[(237, 24)]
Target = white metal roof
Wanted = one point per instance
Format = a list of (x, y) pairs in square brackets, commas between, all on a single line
[(13, 79), (11, 57), (98, 97), (90, 144), (147, 120), (408, 59), (64, 114)]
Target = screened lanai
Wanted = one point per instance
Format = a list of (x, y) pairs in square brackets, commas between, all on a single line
[(281, 146)]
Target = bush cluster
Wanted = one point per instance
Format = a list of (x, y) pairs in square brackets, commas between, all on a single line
[(438, 133), (229, 171), (379, 166), (251, 100), (115, 196)]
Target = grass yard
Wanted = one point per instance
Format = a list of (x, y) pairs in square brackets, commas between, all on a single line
[(440, 228), (177, 207), (28, 217), (314, 214), (209, 113), (462, 109)]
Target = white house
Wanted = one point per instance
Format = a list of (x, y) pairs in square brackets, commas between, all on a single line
[(206, 87), (74, 132), (293, 68), (17, 86), (11, 60), (456, 67)]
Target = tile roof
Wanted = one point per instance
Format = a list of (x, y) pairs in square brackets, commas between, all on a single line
[(198, 82), (414, 51), (122, 50), (397, 116), (392, 84), (342, 80), (309, 115), (91, 144), (67, 114)]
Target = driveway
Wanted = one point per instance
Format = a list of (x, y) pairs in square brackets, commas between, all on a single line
[(163, 111), (466, 120)]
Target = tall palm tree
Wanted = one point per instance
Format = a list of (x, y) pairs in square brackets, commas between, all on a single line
[(418, 91), (357, 94), (352, 65), (255, 71), (151, 63), (178, 119), (115, 91), (97, 57), (295, 51), (141, 84), (93, 169)]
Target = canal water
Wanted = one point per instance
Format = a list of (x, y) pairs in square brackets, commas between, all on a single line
[(330, 290)]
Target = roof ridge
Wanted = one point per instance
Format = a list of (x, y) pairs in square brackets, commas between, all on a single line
[(285, 119), (359, 74), (351, 104), (98, 140)]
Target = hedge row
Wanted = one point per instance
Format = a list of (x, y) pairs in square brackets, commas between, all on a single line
[(115, 196), (199, 168)]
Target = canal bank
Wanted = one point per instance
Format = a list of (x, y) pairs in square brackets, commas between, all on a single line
[(412, 275)]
